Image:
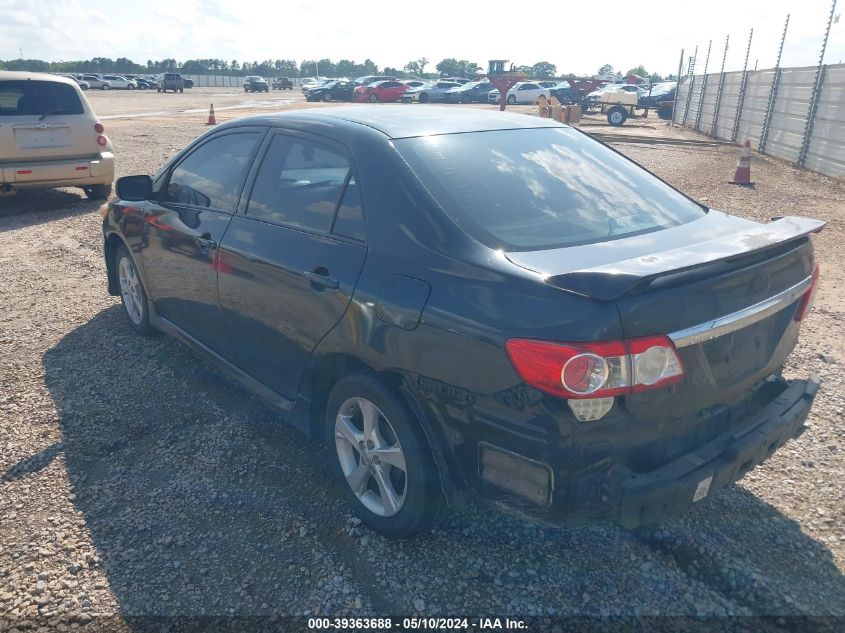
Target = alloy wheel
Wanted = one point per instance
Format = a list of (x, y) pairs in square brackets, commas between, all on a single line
[(130, 290), (371, 457)]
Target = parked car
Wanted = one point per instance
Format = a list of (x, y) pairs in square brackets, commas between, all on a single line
[(254, 83), (563, 92), (660, 92), (51, 137), (384, 91), (119, 82), (413, 83), (444, 303), (430, 92), (332, 91), (522, 92), (457, 80), (546, 84), (311, 82), (366, 80), (171, 81), (95, 81), (471, 92), (145, 84), (282, 83), (84, 85)]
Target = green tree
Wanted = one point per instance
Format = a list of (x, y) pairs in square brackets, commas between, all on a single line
[(543, 70), (413, 68), (638, 70), (607, 69), (655, 78), (423, 62), (472, 69)]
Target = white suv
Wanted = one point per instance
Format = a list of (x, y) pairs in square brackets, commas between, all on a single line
[(50, 137)]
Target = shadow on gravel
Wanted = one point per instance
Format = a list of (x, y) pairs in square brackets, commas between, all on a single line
[(48, 204), (201, 502)]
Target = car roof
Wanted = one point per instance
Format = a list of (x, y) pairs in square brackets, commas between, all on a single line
[(393, 121), (18, 75)]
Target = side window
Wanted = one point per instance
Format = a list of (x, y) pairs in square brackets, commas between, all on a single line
[(212, 174), (350, 214), (299, 183)]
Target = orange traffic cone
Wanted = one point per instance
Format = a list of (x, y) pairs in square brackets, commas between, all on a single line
[(211, 119), (743, 167)]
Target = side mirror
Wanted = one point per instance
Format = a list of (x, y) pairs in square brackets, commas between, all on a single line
[(134, 188)]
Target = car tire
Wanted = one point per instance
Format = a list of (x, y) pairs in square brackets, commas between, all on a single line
[(327, 97), (464, 98), (665, 112), (133, 296), (181, 90), (97, 192), (158, 90), (372, 98), (512, 99), (105, 87), (617, 116), (424, 97), (390, 500), (130, 87)]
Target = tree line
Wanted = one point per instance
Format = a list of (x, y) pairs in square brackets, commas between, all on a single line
[(449, 67)]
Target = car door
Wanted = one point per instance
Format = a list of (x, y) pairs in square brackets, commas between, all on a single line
[(291, 259), (184, 227), (391, 91)]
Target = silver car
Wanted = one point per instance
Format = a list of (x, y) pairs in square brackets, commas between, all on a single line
[(430, 92)]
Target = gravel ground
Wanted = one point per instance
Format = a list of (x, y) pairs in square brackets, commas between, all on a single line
[(135, 480)]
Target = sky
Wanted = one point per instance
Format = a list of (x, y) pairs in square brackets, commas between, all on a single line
[(579, 38)]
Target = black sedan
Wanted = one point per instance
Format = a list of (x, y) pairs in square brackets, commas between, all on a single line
[(332, 91), (470, 300)]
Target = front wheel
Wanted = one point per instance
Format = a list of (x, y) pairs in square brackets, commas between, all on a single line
[(105, 87), (130, 87), (327, 97), (181, 90), (512, 99), (372, 98), (132, 293), (381, 458), (424, 97)]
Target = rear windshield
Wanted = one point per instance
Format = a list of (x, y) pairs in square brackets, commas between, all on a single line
[(27, 97), (532, 189)]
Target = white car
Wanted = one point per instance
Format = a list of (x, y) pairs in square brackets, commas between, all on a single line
[(120, 82), (523, 92), (50, 137)]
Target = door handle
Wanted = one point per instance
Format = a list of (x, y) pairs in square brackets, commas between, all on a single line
[(206, 243), (322, 278)]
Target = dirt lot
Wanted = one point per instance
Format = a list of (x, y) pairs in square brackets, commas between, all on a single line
[(136, 480)]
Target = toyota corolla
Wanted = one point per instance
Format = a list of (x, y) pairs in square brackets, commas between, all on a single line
[(468, 301)]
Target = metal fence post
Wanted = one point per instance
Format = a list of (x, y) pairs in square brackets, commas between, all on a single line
[(741, 98), (678, 88), (719, 89), (691, 73), (764, 136), (814, 97), (703, 87)]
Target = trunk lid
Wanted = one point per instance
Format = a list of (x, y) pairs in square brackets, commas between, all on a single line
[(723, 288), (44, 120)]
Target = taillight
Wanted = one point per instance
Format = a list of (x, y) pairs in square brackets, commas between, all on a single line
[(102, 140), (99, 128), (596, 370), (806, 301)]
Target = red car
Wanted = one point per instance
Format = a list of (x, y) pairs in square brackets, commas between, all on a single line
[(379, 91)]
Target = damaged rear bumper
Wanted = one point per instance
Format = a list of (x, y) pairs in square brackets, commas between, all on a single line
[(669, 491)]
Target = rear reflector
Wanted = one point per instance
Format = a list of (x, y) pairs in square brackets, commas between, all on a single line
[(516, 473), (22, 172), (806, 301), (98, 128), (596, 369), (82, 168), (102, 140)]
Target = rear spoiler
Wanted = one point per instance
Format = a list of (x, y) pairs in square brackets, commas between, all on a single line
[(612, 281)]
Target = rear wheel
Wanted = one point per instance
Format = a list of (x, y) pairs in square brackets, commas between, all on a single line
[(97, 192), (181, 90), (664, 112), (132, 293), (617, 116), (327, 97), (105, 87), (381, 458)]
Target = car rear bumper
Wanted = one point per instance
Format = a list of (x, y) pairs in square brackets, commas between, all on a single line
[(670, 490), (74, 172)]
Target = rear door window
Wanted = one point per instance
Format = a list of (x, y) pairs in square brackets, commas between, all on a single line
[(532, 189), (20, 98), (212, 175), (300, 184)]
